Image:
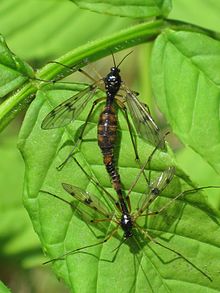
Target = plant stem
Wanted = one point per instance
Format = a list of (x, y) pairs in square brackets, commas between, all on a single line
[(81, 56)]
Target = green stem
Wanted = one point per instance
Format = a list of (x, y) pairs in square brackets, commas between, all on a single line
[(132, 36), (178, 25), (92, 51), (79, 57)]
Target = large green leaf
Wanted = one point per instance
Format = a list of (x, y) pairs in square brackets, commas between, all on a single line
[(14, 233), (139, 265), (78, 58), (129, 8), (203, 13), (62, 25), (13, 70), (186, 79)]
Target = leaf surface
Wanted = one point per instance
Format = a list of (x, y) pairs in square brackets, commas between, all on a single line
[(62, 25), (186, 83), (131, 8), (202, 13), (13, 70), (146, 265)]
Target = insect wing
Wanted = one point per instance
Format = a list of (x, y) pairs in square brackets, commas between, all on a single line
[(143, 122), (68, 110), (161, 182), (156, 187), (87, 199)]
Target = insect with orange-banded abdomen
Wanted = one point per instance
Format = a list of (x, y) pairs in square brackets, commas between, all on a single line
[(125, 218), (107, 125)]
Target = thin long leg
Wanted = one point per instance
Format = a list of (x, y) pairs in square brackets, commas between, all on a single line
[(147, 235), (152, 154), (56, 196), (80, 138), (97, 73), (87, 75), (84, 247), (176, 197), (102, 220), (147, 162), (137, 158), (96, 183), (124, 109), (87, 199), (72, 70)]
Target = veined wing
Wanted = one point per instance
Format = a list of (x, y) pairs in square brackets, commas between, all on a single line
[(156, 187), (161, 182), (68, 110), (143, 122), (87, 199)]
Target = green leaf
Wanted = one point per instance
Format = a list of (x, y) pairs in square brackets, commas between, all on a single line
[(60, 23), (200, 172), (131, 8), (14, 232), (185, 80), (13, 70), (3, 288), (140, 265), (202, 13), (78, 58)]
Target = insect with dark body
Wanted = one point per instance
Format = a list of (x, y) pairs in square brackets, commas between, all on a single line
[(122, 215), (107, 126)]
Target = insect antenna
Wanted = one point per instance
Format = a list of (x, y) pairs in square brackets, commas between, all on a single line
[(113, 58), (124, 58)]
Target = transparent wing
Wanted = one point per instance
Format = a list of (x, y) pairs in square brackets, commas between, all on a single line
[(68, 110), (143, 122), (161, 182), (156, 187), (87, 199)]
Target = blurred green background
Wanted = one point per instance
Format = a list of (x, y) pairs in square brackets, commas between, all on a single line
[(39, 31)]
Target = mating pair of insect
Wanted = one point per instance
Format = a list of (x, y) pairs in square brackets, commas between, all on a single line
[(107, 126), (122, 216)]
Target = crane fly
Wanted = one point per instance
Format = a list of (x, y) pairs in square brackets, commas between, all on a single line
[(70, 109), (121, 215)]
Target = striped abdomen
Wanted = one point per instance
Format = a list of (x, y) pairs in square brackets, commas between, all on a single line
[(107, 134)]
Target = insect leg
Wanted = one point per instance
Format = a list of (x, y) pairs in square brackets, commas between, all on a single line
[(71, 69), (147, 235), (96, 183), (137, 159), (56, 196), (86, 74), (80, 138), (183, 193), (145, 165), (84, 247), (148, 162), (124, 109)]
